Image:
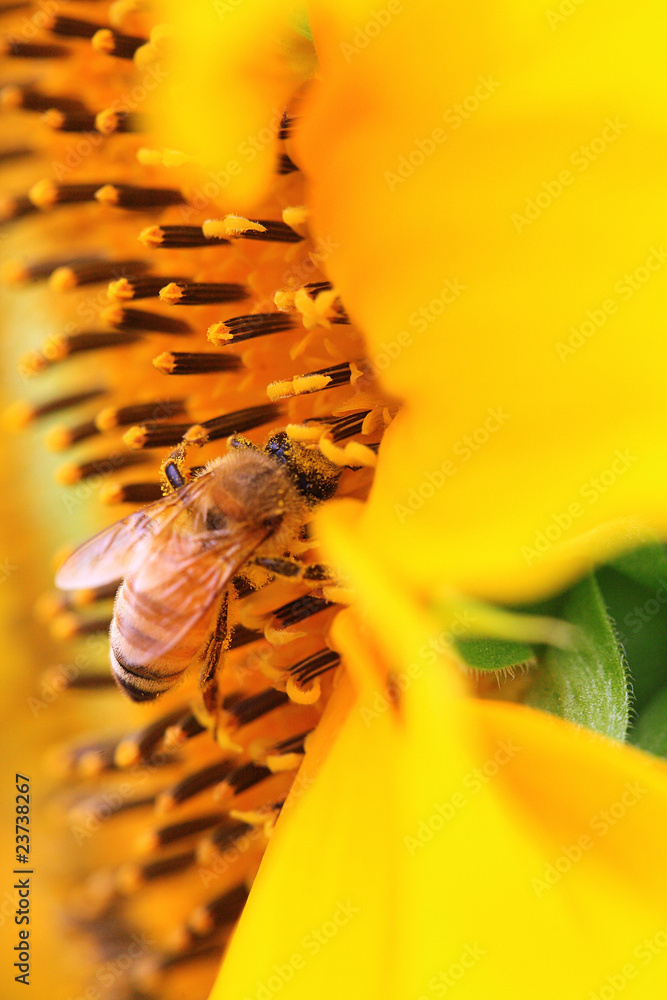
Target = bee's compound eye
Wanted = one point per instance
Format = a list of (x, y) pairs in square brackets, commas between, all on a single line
[(215, 519)]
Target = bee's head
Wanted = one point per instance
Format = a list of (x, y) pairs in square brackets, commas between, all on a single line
[(313, 475)]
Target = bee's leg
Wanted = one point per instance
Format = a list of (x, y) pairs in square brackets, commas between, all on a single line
[(172, 472), (295, 570), (215, 647)]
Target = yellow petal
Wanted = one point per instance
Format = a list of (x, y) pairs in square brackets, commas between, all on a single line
[(450, 842), (431, 140), (232, 69)]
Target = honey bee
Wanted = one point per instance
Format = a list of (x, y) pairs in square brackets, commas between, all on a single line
[(176, 557)]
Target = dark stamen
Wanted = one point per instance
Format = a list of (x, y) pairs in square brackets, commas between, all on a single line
[(342, 427), (286, 165), (242, 636), (140, 286), (187, 728), (293, 744), (72, 626), (46, 193), (248, 327), (244, 777), (23, 96), (104, 806), (132, 875), (12, 208), (301, 385), (193, 784), (265, 230), (93, 272), (174, 832), (131, 493), (219, 912), (139, 319), (154, 435), (91, 595), (195, 363), (256, 706), (111, 121), (312, 666), (77, 343), (348, 426), (71, 27), (91, 758), (60, 438), (202, 293), (315, 287), (114, 43), (15, 153), (90, 682), (286, 126), (224, 835), (138, 198), (16, 272), (140, 745), (105, 465), (31, 50), (171, 960), (233, 423), (175, 237), (299, 609), (69, 121), (124, 416), (25, 413)]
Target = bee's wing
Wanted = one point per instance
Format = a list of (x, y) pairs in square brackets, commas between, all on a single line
[(110, 554), (182, 578)]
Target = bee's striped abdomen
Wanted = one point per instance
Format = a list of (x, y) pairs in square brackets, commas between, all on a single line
[(138, 631)]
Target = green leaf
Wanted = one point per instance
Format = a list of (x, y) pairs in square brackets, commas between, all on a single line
[(650, 732), (647, 566), (494, 654), (587, 683), (640, 622)]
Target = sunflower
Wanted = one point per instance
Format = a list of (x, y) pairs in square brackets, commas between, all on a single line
[(487, 403)]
